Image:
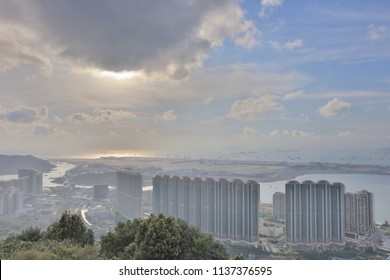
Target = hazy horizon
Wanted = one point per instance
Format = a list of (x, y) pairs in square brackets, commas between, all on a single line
[(194, 78)]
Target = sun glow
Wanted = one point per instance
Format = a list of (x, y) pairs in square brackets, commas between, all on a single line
[(120, 154), (122, 75)]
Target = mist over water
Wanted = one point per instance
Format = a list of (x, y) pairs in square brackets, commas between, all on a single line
[(58, 171)]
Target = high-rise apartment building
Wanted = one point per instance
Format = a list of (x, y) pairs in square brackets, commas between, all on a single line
[(11, 200), (34, 180), (12, 195), (279, 205), (225, 209), (315, 212), (129, 194), (359, 212)]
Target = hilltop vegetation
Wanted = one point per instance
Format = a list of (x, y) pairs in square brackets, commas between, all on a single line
[(155, 238)]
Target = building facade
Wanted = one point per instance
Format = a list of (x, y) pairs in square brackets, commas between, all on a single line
[(129, 194), (225, 209), (315, 213), (279, 205), (359, 212), (34, 180)]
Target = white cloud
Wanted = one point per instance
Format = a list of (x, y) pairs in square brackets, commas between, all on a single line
[(290, 45), (248, 132), (293, 95), (252, 107), (228, 21), (293, 44), (292, 133), (334, 107), (274, 133), (267, 5), (101, 115), (376, 32), (209, 100), (80, 118), (346, 133), (113, 115), (168, 116), (300, 133)]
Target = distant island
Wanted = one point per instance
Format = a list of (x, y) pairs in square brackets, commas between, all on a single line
[(9, 164)]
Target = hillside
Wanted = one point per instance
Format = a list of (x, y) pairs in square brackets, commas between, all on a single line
[(11, 164)]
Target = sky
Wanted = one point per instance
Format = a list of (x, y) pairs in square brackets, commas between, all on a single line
[(193, 77)]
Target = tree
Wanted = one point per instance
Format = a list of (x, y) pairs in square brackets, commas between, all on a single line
[(70, 227), (159, 238), (31, 234), (207, 249), (113, 244)]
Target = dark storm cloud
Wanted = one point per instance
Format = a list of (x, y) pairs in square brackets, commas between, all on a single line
[(148, 35)]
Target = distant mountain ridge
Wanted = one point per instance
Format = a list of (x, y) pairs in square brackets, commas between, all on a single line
[(11, 164)]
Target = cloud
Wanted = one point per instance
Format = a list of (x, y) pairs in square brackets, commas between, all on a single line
[(209, 100), (81, 118), (113, 115), (293, 44), (292, 133), (114, 134), (20, 45), (334, 107), (376, 32), (24, 115), (290, 45), (293, 95), (171, 37), (44, 130), (248, 132), (300, 133), (252, 107), (168, 116), (346, 133), (222, 23), (101, 115), (269, 5)]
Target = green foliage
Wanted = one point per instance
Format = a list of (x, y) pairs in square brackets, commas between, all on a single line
[(70, 227), (113, 244), (207, 249), (67, 238), (16, 249), (159, 238), (32, 234), (155, 238), (31, 254), (239, 257)]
